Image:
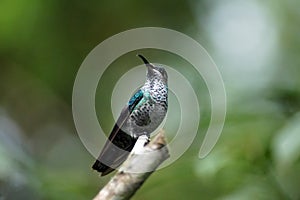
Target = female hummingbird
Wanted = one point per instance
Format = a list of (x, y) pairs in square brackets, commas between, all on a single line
[(143, 113)]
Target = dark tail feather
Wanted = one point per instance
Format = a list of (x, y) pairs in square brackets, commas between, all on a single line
[(102, 168), (111, 157)]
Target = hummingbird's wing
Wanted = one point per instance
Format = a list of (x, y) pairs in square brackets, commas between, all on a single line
[(111, 156)]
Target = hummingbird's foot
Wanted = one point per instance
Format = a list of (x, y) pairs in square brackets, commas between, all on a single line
[(140, 143), (148, 140)]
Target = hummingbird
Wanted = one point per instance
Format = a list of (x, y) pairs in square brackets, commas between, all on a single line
[(143, 113)]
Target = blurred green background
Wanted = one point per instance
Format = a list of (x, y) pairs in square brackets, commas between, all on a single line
[(255, 44)]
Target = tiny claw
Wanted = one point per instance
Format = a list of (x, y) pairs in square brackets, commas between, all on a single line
[(142, 141)]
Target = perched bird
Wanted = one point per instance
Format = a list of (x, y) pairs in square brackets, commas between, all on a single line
[(144, 112)]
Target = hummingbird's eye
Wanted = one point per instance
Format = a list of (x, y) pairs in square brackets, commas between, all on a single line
[(161, 71)]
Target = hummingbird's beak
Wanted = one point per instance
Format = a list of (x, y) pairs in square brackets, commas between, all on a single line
[(146, 61)]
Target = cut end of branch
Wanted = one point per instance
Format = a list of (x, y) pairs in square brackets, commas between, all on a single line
[(159, 141)]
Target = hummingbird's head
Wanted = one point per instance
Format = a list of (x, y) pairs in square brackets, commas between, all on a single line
[(155, 72)]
